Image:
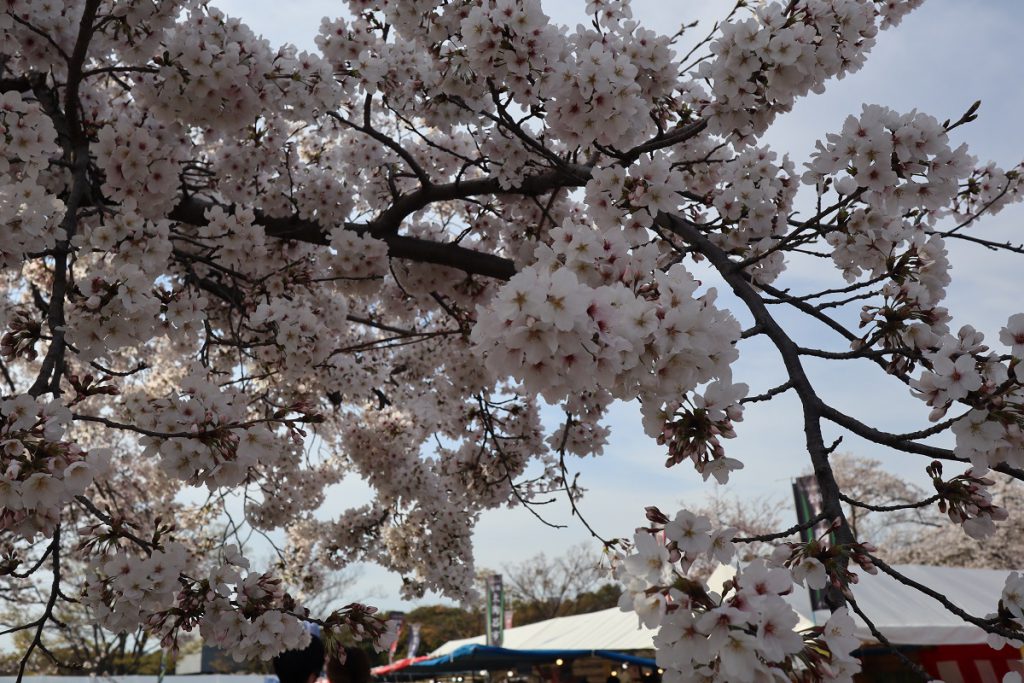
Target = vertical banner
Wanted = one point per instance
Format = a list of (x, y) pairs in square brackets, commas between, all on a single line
[(495, 610), (414, 640), (809, 504), (509, 614), (399, 619)]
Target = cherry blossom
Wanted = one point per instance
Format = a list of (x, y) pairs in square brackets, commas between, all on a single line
[(241, 274), (745, 632)]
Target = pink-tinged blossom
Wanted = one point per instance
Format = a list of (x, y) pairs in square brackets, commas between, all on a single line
[(650, 561), (811, 572), (1013, 334), (839, 635), (692, 533)]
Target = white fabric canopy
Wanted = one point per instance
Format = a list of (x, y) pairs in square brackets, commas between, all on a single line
[(902, 614), (609, 629)]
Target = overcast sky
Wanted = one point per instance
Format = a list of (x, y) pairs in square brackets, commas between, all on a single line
[(943, 57)]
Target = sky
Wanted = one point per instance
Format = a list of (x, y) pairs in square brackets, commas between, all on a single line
[(942, 58)]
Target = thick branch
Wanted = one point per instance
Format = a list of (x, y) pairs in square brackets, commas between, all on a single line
[(790, 352), (191, 211)]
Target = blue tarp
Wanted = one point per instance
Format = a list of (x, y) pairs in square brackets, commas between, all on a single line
[(623, 657), (477, 657)]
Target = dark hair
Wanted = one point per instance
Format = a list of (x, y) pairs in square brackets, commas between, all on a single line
[(355, 669), (296, 666)]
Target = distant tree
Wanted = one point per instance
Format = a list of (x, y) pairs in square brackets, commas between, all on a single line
[(74, 652), (862, 479), (915, 535), (439, 624), (945, 545), (602, 598), (541, 588), (867, 482)]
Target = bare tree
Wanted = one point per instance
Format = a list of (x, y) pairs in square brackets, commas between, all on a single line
[(541, 587), (946, 545), (865, 481)]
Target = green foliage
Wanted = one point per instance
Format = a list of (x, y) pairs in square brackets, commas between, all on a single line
[(438, 625), (529, 612)]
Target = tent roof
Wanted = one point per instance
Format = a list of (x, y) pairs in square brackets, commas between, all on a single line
[(609, 629), (904, 615)]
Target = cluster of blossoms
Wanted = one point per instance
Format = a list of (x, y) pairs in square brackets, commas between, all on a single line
[(51, 24), (302, 334), (752, 195), (657, 342), (126, 589), (618, 72), (896, 176), (511, 42), (206, 436), (118, 302), (30, 140), (584, 434), (633, 197), (30, 215), (319, 196), (893, 163), (746, 632), (991, 432), (601, 84), (764, 63), (511, 161), (1010, 615), (114, 308), (215, 73), (212, 73), (967, 501), (358, 257), (249, 238), (381, 445), (823, 563), (591, 305), (341, 41), (247, 614), (39, 472), (141, 163), (989, 190), (692, 428), (756, 197), (956, 371)]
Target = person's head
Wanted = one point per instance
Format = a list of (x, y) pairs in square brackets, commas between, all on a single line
[(355, 668), (301, 666)]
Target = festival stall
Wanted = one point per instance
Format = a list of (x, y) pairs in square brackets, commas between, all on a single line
[(923, 628), (591, 646), (926, 631)]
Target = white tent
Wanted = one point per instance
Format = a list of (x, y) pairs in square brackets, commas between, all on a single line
[(609, 629), (904, 615)]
